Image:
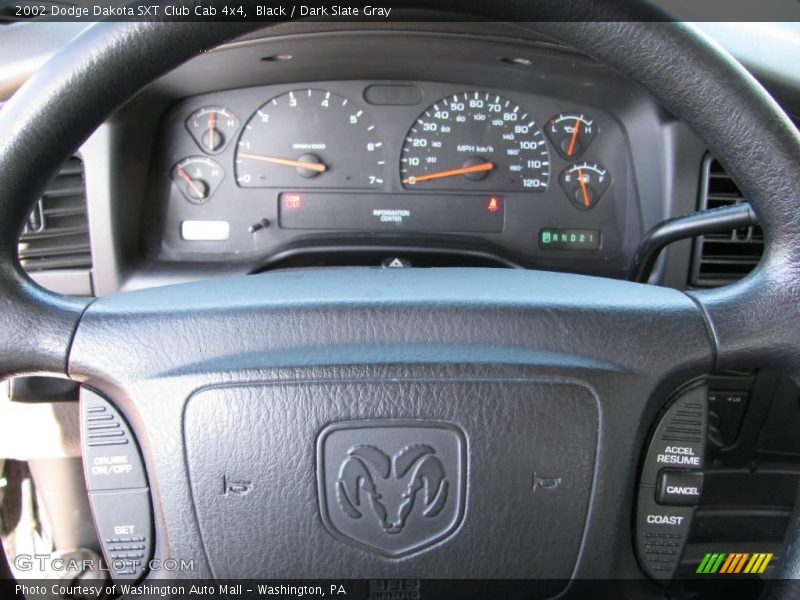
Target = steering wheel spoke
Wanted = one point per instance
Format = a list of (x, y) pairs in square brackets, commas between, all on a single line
[(543, 378), (562, 373)]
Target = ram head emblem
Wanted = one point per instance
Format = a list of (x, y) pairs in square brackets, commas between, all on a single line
[(389, 486)]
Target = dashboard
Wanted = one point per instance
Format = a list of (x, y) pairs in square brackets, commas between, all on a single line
[(324, 144), (254, 171), (325, 147), (148, 229)]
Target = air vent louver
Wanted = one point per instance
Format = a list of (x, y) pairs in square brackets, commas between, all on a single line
[(723, 258), (56, 235)]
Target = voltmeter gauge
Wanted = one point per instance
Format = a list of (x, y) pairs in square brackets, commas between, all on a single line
[(584, 184), (212, 128), (571, 133), (197, 177)]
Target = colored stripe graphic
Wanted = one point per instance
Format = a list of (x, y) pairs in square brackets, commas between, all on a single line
[(733, 563), (717, 563), (741, 562), (758, 564), (753, 563), (729, 562), (703, 563), (711, 562)]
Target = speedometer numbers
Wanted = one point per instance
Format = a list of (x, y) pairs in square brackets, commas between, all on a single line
[(309, 138), (475, 141)]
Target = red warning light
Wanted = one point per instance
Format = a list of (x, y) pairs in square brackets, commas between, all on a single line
[(292, 201), (494, 204)]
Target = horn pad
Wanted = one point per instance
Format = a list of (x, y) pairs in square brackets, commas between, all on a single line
[(488, 478)]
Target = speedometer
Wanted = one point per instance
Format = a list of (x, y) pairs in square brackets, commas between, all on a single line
[(475, 141)]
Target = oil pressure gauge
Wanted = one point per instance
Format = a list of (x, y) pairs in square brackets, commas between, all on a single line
[(571, 133), (197, 177), (212, 128), (584, 184)]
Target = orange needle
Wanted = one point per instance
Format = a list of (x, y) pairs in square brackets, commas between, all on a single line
[(212, 123), (318, 167), (487, 166), (190, 182), (583, 188), (574, 139)]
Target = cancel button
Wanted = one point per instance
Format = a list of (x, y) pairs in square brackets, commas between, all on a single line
[(679, 488)]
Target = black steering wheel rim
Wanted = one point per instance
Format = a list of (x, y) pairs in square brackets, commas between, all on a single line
[(750, 323)]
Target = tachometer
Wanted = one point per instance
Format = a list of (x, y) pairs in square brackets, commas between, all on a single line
[(475, 141), (309, 138)]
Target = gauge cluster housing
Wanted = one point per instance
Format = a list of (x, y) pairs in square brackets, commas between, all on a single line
[(252, 215), (652, 160)]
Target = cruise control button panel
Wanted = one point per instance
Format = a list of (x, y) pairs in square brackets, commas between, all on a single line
[(110, 452), (671, 483), (117, 484), (124, 524)]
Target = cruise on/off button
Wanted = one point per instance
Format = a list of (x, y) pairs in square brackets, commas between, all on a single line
[(679, 488)]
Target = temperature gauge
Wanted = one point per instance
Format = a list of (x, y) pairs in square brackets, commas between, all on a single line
[(571, 134), (198, 178), (584, 184), (212, 128)]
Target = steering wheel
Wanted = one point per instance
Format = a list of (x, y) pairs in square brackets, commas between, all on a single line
[(474, 379)]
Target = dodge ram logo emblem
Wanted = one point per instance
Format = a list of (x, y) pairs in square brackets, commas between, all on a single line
[(391, 486)]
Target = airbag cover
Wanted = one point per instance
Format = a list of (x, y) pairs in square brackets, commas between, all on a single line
[(412, 478)]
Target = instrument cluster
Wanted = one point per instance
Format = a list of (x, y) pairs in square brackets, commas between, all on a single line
[(533, 178)]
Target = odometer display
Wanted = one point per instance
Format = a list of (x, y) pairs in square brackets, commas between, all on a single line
[(475, 141)]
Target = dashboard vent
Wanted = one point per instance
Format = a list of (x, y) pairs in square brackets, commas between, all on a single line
[(723, 258), (56, 235)]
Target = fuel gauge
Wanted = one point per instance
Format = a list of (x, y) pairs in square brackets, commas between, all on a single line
[(212, 128), (584, 184), (198, 177), (571, 133)]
